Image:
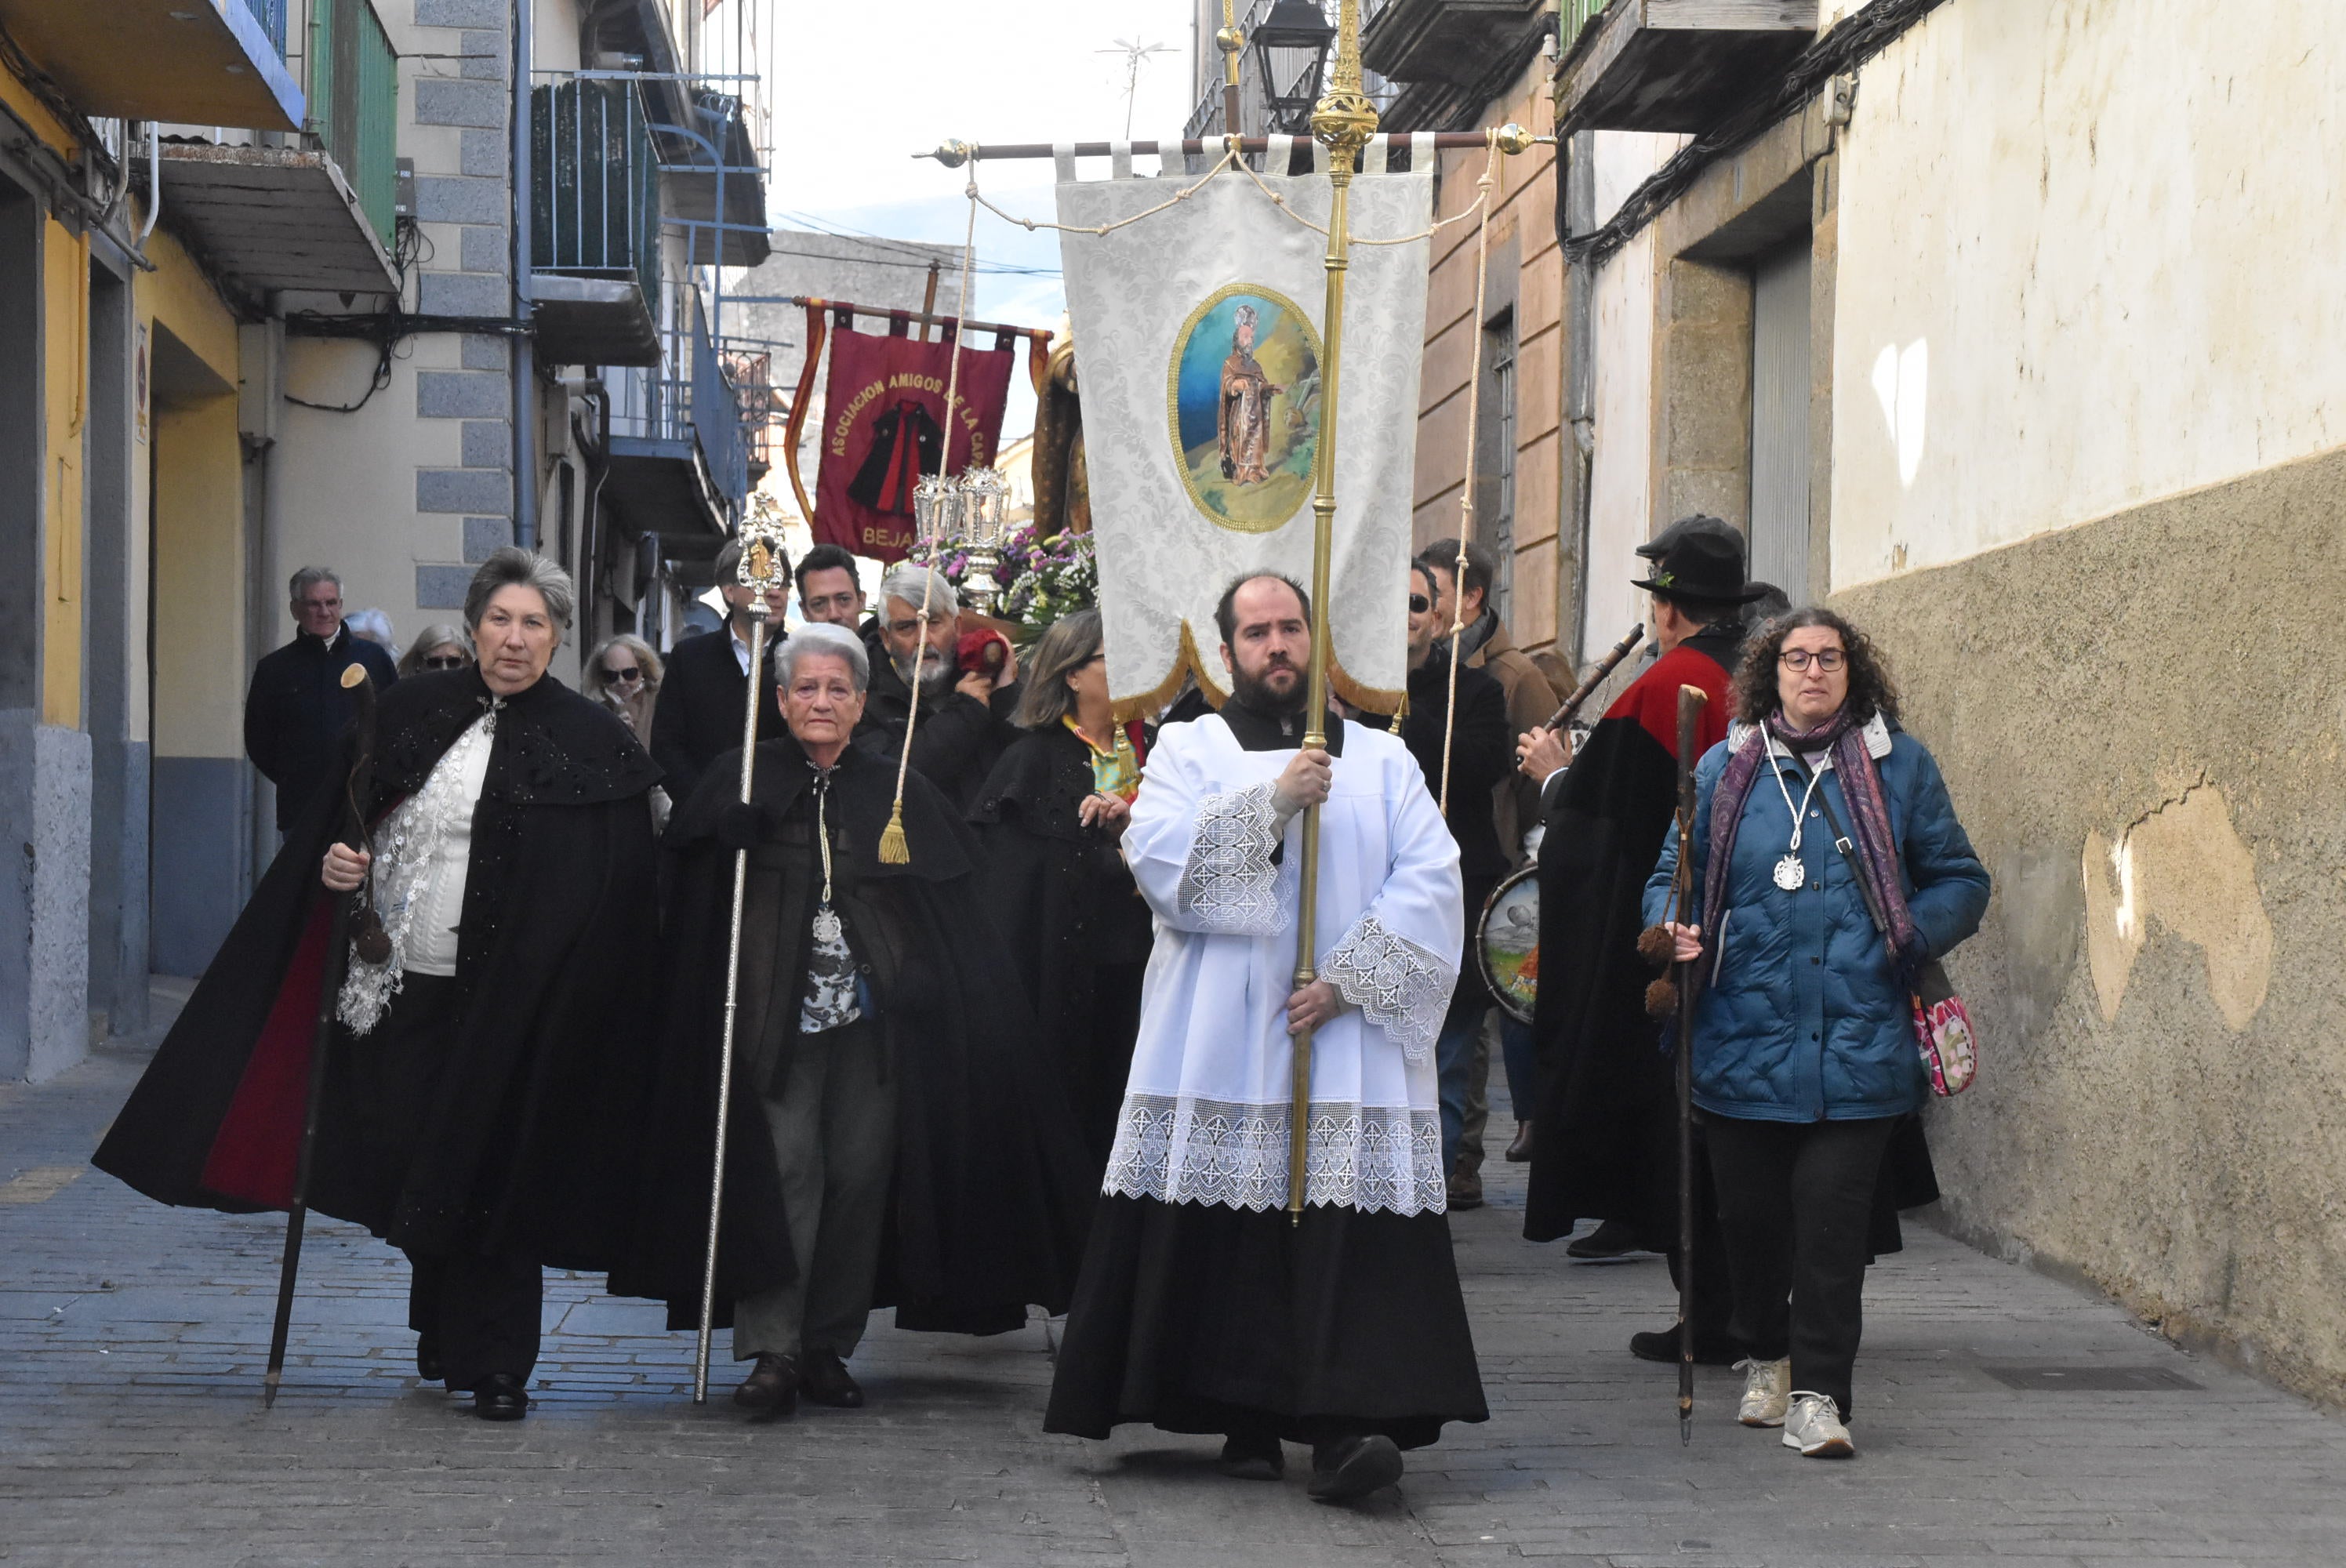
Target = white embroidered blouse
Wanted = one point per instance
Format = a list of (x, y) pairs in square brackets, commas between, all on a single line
[(422, 853), (1206, 1109)]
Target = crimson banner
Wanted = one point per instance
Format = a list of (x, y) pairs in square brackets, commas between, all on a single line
[(883, 428)]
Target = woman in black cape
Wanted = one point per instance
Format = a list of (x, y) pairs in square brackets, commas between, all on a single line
[(1049, 819), (989, 1197), (483, 1120)]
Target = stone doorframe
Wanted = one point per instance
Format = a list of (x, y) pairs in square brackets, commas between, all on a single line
[(1741, 207)]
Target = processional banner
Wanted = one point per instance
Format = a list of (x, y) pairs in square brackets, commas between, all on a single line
[(883, 428), (1198, 345)]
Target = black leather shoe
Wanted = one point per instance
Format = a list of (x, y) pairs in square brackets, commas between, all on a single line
[(427, 1360), (499, 1398), (1520, 1150), (1662, 1345), (1609, 1241), (771, 1391), (1252, 1458), (1343, 1468), (822, 1377)]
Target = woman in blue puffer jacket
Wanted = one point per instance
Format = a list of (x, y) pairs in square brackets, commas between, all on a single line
[(1804, 1049)]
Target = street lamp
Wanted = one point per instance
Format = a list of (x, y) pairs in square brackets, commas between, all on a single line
[(1291, 50)]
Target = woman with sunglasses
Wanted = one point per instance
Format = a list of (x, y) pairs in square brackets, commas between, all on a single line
[(1805, 1058), (623, 673), (437, 648)]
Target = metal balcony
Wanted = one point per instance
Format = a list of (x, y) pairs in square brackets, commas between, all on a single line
[(316, 217), (594, 225), (1677, 64), (735, 230), (679, 460), (1441, 40), (202, 62)]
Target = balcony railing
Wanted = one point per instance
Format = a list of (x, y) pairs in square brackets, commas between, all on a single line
[(271, 14), (689, 399), (355, 101), (595, 209)]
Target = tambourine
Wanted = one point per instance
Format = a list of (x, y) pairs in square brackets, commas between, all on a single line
[(1506, 943)]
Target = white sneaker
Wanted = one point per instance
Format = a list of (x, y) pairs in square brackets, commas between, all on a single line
[(1813, 1425), (1767, 1391)]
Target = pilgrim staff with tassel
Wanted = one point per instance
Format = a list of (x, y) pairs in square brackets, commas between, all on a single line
[(373, 946)]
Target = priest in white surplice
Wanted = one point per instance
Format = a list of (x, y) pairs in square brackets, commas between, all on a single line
[(1201, 1308)]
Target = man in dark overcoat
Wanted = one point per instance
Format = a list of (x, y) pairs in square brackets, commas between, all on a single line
[(706, 688)]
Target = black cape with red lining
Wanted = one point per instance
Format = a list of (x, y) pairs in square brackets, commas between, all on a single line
[(525, 1144), (991, 1201), (1607, 1142)]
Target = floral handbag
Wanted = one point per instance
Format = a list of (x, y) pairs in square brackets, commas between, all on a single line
[(1943, 1025)]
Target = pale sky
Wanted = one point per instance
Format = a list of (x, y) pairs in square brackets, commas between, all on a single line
[(860, 88)]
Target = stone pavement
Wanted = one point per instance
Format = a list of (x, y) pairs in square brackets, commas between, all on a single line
[(131, 1432)]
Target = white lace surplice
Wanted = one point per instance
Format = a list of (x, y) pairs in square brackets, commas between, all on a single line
[(1207, 1110)]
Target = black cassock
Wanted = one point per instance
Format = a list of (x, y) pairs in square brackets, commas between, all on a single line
[(990, 1199), (522, 1145), (1079, 932)]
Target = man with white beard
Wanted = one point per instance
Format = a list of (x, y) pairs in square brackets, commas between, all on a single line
[(964, 723), (1202, 1307)]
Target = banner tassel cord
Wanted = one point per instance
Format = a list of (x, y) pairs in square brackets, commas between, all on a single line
[(1474, 434), (895, 849)]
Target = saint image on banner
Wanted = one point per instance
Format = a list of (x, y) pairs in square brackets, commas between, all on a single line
[(1245, 403)]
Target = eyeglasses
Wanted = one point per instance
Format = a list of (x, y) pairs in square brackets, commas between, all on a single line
[(1827, 659), (1419, 604), (632, 672), (446, 661)]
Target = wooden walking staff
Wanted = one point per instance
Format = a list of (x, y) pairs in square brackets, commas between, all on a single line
[(1342, 123), (1691, 699), (760, 571), (374, 948)]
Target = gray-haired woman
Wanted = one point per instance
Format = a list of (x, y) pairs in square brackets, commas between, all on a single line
[(438, 646), (1050, 817), (482, 1088)]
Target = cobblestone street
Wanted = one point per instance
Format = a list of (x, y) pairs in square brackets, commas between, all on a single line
[(131, 1432)]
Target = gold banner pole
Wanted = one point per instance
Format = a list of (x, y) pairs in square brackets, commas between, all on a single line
[(1342, 122)]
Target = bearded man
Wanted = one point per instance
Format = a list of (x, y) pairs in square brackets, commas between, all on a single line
[(1202, 1307), (965, 720)]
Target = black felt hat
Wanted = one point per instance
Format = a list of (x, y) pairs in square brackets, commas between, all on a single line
[(1703, 566), (1654, 548)]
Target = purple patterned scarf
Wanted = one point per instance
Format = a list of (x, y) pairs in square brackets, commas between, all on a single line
[(1860, 787)]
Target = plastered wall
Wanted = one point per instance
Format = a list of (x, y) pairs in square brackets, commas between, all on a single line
[(2144, 741), (2088, 258), (2089, 490)]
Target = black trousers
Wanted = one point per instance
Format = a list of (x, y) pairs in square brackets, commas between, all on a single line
[(481, 1312), (1794, 1202)]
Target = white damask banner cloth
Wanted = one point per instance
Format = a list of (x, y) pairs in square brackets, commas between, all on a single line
[(1198, 345)]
